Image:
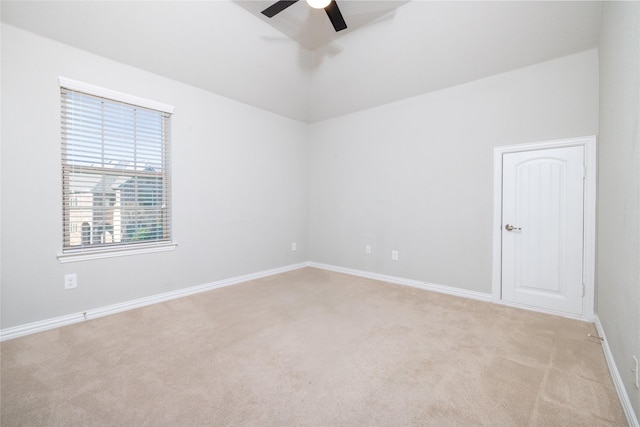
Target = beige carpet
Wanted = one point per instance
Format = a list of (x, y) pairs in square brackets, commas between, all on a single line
[(311, 348)]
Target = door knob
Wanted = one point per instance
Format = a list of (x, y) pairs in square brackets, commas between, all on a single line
[(510, 227)]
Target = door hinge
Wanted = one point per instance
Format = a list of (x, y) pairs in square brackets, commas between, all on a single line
[(584, 290)]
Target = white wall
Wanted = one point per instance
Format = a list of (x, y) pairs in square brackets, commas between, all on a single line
[(619, 187), (239, 186), (416, 175)]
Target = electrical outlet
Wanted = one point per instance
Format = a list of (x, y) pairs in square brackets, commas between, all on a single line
[(635, 372), (294, 246), (367, 249), (394, 255), (70, 281)]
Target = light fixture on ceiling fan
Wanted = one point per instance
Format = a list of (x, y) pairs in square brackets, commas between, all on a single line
[(318, 4), (329, 6)]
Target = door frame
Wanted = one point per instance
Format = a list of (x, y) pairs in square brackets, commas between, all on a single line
[(589, 237)]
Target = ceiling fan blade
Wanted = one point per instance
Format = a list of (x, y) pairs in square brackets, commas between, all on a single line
[(277, 7), (334, 14)]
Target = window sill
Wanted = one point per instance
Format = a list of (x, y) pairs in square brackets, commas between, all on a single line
[(100, 253)]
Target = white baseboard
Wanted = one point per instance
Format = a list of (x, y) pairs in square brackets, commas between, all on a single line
[(56, 322), (617, 379), (450, 290), (544, 310)]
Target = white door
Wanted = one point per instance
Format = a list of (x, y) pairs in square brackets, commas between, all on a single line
[(542, 228)]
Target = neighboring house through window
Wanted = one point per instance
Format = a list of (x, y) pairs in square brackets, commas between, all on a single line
[(115, 171)]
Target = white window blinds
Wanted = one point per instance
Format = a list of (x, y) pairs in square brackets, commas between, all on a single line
[(115, 173)]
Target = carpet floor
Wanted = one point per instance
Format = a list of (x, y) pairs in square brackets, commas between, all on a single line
[(311, 348)]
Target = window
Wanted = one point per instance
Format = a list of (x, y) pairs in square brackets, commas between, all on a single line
[(115, 171)]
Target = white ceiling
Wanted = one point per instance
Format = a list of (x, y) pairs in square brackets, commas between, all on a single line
[(391, 50)]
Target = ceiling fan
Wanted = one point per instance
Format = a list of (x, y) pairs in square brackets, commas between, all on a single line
[(329, 6)]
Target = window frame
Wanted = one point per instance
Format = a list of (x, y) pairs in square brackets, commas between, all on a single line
[(82, 253)]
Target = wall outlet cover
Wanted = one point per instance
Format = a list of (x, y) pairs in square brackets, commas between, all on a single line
[(70, 281)]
